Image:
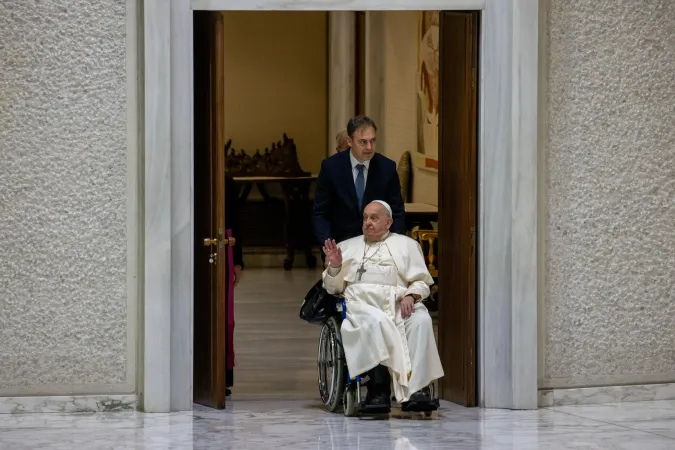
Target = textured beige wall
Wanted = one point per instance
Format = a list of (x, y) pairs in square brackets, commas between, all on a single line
[(400, 124), (400, 114), (609, 309), (276, 81), (63, 194)]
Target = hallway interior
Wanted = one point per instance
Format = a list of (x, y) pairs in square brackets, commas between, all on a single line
[(275, 351)]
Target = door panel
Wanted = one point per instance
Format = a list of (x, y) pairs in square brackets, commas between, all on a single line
[(458, 58), (210, 297)]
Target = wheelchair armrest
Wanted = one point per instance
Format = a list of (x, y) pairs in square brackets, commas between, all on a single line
[(341, 305)]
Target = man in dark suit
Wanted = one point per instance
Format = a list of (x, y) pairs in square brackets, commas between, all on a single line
[(351, 179)]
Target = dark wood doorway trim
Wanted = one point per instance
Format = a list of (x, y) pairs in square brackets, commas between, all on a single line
[(457, 198)]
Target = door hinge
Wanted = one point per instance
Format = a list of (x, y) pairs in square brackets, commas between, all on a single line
[(473, 79)]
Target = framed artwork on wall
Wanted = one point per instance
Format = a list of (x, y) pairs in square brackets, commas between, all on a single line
[(427, 81)]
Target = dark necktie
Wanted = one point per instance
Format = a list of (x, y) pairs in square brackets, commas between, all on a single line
[(360, 185)]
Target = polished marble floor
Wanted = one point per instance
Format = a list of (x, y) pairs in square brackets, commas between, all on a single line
[(299, 424)]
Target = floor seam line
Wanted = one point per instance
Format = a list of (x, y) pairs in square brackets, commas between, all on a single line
[(612, 423)]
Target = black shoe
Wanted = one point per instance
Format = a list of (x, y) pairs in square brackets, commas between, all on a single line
[(377, 400), (379, 392), (228, 392), (421, 401), (377, 403)]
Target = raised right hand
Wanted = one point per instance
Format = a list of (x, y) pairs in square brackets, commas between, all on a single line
[(333, 253)]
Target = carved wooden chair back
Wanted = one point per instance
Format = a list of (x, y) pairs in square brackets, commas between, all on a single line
[(427, 240)]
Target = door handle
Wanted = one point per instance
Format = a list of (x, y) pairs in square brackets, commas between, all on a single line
[(230, 241)]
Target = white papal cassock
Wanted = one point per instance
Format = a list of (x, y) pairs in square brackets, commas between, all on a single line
[(374, 331)]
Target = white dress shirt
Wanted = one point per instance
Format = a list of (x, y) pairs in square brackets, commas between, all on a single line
[(355, 171)]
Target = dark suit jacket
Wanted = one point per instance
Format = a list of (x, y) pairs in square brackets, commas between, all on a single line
[(336, 214)]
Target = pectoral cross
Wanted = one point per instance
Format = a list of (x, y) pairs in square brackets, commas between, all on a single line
[(361, 271)]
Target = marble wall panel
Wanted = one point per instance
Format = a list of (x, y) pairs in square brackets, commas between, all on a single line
[(610, 238), (64, 305)]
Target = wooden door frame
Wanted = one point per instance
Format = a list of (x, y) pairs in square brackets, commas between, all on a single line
[(219, 337), (458, 201), (210, 294), (508, 196)]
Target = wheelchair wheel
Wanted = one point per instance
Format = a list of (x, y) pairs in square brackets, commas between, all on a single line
[(331, 365), (349, 402)]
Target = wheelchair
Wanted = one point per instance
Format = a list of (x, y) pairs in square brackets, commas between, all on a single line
[(336, 387)]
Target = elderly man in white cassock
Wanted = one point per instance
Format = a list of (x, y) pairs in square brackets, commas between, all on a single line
[(387, 333)]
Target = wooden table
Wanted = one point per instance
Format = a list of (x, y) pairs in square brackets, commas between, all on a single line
[(297, 211), (420, 214)]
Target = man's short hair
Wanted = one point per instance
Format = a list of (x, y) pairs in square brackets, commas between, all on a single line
[(359, 122), (338, 137)]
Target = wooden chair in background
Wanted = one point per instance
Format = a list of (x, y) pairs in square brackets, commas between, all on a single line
[(428, 241)]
